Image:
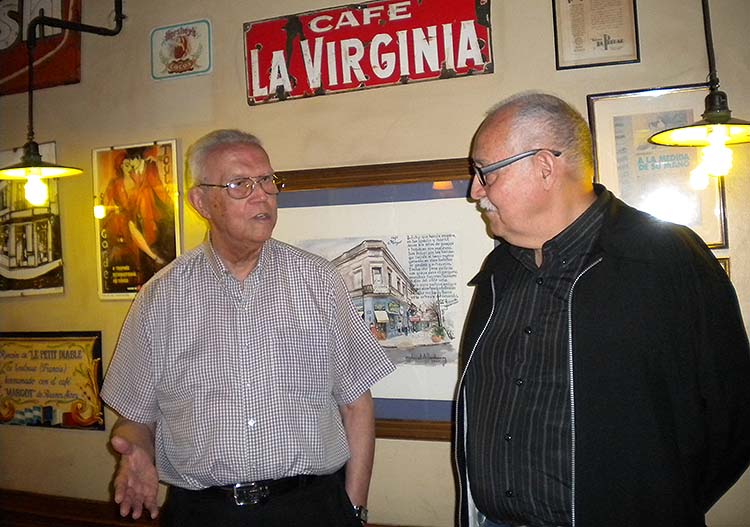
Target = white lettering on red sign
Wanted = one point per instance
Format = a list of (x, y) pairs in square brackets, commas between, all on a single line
[(396, 11), (424, 44)]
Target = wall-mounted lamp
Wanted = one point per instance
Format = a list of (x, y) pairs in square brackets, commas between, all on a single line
[(100, 209), (442, 185), (716, 130), (32, 168)]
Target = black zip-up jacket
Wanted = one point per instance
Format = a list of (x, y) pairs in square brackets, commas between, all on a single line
[(660, 386)]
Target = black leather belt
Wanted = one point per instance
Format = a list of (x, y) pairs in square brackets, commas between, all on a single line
[(259, 492)]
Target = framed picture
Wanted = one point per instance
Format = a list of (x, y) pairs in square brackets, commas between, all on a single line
[(52, 379), (595, 33), (724, 261), (406, 242), (181, 50), (31, 261), (653, 178), (136, 190), (57, 54)]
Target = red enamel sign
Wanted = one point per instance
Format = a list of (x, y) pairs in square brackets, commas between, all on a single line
[(366, 45)]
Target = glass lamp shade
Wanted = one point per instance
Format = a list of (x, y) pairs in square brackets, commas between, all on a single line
[(699, 133), (716, 126), (31, 166)]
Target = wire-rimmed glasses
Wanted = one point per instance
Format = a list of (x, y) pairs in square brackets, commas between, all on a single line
[(240, 188), (483, 172)]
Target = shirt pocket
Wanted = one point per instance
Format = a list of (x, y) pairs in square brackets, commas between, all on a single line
[(300, 361)]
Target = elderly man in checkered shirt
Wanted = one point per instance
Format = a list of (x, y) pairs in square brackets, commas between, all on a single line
[(242, 374)]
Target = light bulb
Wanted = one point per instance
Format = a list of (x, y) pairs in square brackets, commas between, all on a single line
[(699, 178), (99, 212), (36, 191), (718, 155), (716, 158)]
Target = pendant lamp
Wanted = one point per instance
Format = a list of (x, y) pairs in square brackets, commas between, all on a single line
[(717, 128), (32, 168)]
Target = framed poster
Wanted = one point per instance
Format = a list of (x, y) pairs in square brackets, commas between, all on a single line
[(51, 379), (406, 242), (595, 33), (137, 190), (653, 178), (31, 260), (57, 54)]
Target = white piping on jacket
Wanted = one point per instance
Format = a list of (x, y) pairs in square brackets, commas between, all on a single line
[(461, 388), (572, 396)]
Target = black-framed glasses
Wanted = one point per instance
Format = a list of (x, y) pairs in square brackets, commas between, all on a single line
[(241, 188), (482, 172)]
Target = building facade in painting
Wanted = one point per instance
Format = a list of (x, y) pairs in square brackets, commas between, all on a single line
[(380, 289), (30, 248)]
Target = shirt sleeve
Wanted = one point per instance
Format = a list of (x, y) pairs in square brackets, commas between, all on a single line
[(128, 386), (359, 361), (724, 372)]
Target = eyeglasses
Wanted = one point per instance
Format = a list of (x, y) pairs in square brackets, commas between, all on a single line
[(482, 172), (241, 188)]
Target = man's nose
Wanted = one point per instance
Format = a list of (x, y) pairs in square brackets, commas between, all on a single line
[(477, 190)]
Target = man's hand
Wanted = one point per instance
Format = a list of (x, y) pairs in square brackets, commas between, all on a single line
[(136, 481)]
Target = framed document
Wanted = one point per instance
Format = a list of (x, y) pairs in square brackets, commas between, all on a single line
[(654, 178), (595, 33)]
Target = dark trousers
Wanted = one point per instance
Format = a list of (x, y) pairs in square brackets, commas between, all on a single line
[(323, 502)]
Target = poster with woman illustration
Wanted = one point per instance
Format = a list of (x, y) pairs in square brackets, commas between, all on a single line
[(136, 190)]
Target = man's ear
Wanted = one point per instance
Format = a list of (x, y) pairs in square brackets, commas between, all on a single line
[(546, 163), (195, 196)]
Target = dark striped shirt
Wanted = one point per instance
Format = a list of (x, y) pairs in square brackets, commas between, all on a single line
[(517, 387)]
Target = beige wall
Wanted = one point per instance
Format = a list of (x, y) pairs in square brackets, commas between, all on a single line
[(117, 103)]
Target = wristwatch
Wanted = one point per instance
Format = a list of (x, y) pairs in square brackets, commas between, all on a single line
[(360, 512)]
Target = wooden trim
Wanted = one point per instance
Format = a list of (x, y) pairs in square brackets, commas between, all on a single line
[(385, 174), (420, 430), (29, 509), (26, 509)]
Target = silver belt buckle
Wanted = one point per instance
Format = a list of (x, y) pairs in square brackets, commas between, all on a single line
[(250, 494)]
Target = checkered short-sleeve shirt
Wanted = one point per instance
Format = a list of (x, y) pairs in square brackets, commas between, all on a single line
[(243, 379)]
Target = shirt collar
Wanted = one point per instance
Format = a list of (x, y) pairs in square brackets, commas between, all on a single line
[(220, 270), (574, 239)]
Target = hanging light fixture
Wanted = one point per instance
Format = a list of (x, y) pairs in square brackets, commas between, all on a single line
[(717, 123), (716, 130), (32, 168)]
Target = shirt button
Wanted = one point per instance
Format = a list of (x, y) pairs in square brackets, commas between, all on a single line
[(527, 330), (509, 493), (519, 382), (539, 281), (508, 437)]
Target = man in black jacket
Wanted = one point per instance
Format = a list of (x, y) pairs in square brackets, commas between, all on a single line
[(607, 368)]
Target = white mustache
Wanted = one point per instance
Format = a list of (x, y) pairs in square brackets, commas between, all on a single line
[(486, 204)]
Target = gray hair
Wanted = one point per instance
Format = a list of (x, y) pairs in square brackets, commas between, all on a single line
[(197, 153), (546, 121)]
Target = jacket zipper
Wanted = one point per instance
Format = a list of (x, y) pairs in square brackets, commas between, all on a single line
[(461, 388), (572, 395)]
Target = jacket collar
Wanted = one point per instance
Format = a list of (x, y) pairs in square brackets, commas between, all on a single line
[(621, 236)]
